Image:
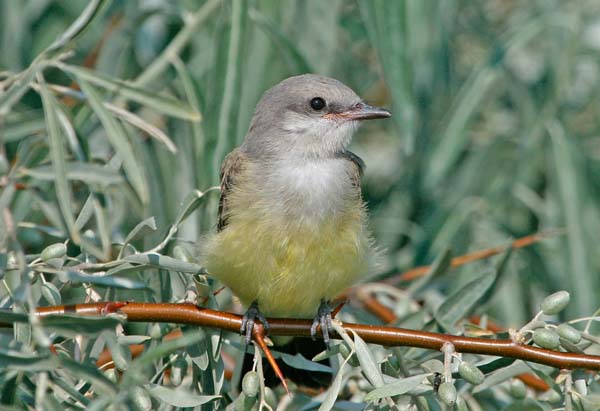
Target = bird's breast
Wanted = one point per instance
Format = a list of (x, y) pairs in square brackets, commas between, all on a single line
[(309, 189)]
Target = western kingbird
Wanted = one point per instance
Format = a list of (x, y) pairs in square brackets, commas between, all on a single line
[(292, 230)]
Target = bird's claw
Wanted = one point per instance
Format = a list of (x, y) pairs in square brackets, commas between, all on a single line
[(249, 319), (322, 319)]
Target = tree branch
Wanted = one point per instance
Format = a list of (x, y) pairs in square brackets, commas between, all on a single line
[(387, 336)]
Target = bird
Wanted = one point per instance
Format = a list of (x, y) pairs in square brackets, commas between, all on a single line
[(292, 228)]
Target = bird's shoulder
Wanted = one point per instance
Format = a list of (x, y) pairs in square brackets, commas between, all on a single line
[(357, 166), (231, 170)]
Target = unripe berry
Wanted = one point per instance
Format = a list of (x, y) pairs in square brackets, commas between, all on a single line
[(546, 338), (555, 303)]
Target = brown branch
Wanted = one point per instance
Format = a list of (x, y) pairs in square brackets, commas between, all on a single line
[(385, 314), (387, 336), (258, 335), (474, 256)]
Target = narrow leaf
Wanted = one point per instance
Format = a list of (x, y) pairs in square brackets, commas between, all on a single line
[(460, 303), (298, 361), (71, 325), (87, 172), (78, 26), (398, 387), (178, 397), (146, 226), (367, 361), (118, 139), (168, 263), (58, 157), (27, 362), (163, 104), (89, 372), (334, 389), (143, 125), (103, 280)]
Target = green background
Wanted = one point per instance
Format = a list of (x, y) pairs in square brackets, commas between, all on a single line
[(495, 134)]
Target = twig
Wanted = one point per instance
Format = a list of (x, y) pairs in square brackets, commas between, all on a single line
[(387, 336), (477, 255), (258, 335)]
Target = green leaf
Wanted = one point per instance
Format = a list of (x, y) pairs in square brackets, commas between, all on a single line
[(22, 83), (495, 378), (441, 264), (10, 317), (163, 104), (166, 262), (28, 125), (87, 172), (277, 35), (144, 227), (527, 404), (572, 187), (118, 138), (178, 397), (153, 354), (464, 300), (367, 361), (334, 390), (454, 139), (103, 280), (398, 387), (298, 361), (127, 268), (191, 203), (78, 26), (90, 373), (133, 339), (58, 156), (72, 325), (27, 362), (143, 125)]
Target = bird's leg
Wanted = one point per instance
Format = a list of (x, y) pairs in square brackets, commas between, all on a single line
[(323, 319), (250, 316)]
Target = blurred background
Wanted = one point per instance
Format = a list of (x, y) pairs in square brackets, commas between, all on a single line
[(115, 117), (495, 133)]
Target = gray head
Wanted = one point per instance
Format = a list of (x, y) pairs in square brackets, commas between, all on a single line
[(307, 115)]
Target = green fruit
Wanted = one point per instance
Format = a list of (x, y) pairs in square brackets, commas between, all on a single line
[(57, 250), (546, 338), (518, 389), (569, 333), (555, 303), (471, 373), (250, 384), (447, 393), (270, 398)]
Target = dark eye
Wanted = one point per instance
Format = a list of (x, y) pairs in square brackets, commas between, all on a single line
[(317, 103)]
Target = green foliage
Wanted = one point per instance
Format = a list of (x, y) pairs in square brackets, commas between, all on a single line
[(115, 116)]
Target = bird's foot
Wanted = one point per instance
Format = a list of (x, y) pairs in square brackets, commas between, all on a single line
[(248, 320), (322, 319)]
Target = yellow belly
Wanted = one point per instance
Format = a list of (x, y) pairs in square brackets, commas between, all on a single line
[(288, 267)]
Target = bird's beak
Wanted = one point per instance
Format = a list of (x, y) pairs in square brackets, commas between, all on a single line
[(362, 111)]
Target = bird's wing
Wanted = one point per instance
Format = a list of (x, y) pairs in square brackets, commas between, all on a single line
[(357, 169), (231, 169)]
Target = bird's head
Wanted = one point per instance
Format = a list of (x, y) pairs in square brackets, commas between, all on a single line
[(307, 115)]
